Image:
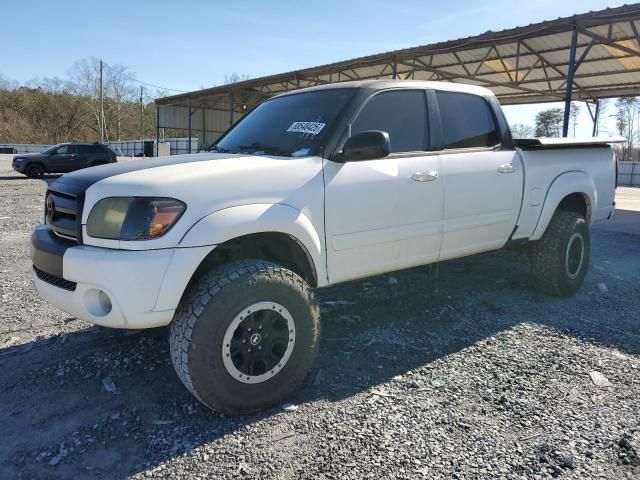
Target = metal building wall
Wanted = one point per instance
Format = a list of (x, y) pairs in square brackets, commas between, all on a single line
[(206, 124)]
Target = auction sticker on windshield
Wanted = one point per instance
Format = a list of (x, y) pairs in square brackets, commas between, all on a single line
[(312, 128)]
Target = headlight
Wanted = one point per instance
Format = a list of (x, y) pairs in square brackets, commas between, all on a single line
[(133, 218), (18, 160)]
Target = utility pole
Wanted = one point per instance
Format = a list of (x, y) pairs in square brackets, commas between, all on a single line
[(101, 106), (141, 110)]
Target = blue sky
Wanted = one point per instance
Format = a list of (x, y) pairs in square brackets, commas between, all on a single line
[(190, 44)]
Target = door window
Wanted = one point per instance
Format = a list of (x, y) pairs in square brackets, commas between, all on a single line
[(400, 113), (84, 149), (64, 150), (467, 121)]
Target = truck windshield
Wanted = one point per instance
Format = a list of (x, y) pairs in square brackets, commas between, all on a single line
[(290, 126)]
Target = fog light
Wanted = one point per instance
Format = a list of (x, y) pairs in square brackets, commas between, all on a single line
[(105, 302)]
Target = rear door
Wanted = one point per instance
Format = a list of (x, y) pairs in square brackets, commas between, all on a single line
[(385, 214), (83, 157), (483, 181)]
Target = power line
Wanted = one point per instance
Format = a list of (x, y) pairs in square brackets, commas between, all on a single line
[(120, 72)]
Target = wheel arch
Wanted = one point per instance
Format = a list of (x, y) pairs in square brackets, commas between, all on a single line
[(277, 247), (36, 162), (573, 191)]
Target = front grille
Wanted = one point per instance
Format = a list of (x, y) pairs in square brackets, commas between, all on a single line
[(61, 214), (55, 281)]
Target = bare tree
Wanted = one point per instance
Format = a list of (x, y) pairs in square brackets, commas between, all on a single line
[(235, 78), (519, 130), (626, 116), (602, 117), (120, 91), (52, 110), (85, 76), (574, 113)]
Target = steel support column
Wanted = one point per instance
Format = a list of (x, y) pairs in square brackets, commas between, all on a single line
[(394, 70), (569, 90), (594, 133), (204, 128), (157, 129), (231, 110), (189, 141)]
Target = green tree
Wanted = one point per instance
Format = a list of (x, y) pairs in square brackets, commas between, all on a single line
[(549, 123)]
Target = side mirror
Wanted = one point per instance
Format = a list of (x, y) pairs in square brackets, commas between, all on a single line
[(367, 145)]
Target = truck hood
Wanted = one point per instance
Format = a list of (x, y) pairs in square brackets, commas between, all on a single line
[(83, 179), (205, 182)]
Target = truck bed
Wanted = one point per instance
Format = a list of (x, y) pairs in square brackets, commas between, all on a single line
[(562, 143)]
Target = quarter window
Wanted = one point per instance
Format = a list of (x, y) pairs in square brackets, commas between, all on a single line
[(467, 121), (400, 113)]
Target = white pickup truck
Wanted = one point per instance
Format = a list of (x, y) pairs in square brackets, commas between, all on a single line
[(311, 188)]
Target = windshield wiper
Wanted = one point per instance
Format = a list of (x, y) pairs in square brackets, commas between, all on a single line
[(261, 147), (215, 148)]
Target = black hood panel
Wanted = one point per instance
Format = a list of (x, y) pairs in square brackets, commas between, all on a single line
[(82, 179)]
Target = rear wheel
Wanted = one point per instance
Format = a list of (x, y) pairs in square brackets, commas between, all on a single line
[(245, 336), (560, 259), (34, 170)]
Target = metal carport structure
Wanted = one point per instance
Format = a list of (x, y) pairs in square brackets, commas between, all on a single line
[(584, 57)]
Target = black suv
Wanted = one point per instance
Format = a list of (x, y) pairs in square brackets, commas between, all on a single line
[(63, 158)]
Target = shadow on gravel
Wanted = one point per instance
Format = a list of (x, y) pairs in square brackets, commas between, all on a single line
[(101, 403)]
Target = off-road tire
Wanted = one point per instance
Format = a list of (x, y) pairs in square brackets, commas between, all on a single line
[(35, 170), (206, 311), (551, 272)]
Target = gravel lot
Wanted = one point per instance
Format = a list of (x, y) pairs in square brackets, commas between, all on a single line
[(451, 371)]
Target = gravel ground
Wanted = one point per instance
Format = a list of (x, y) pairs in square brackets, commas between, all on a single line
[(458, 370)]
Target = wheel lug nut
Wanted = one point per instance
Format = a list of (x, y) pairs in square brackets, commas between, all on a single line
[(244, 341), (260, 348)]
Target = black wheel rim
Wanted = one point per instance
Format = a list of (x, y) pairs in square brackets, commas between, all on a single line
[(35, 171), (574, 256), (258, 342)]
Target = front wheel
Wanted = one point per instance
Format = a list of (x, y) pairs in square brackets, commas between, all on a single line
[(560, 259), (34, 171), (245, 336)]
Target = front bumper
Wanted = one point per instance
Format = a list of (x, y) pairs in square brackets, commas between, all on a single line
[(18, 167), (143, 287)]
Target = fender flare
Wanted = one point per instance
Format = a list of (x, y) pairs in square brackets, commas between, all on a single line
[(233, 222), (563, 185)]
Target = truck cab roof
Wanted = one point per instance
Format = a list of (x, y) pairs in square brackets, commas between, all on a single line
[(386, 84)]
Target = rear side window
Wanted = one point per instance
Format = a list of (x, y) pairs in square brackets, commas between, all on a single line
[(96, 148), (83, 148), (467, 121), (400, 113)]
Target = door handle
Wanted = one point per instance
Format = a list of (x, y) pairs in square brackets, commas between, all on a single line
[(425, 176), (506, 168)]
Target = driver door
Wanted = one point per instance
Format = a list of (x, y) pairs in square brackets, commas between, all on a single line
[(63, 160), (385, 214)]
